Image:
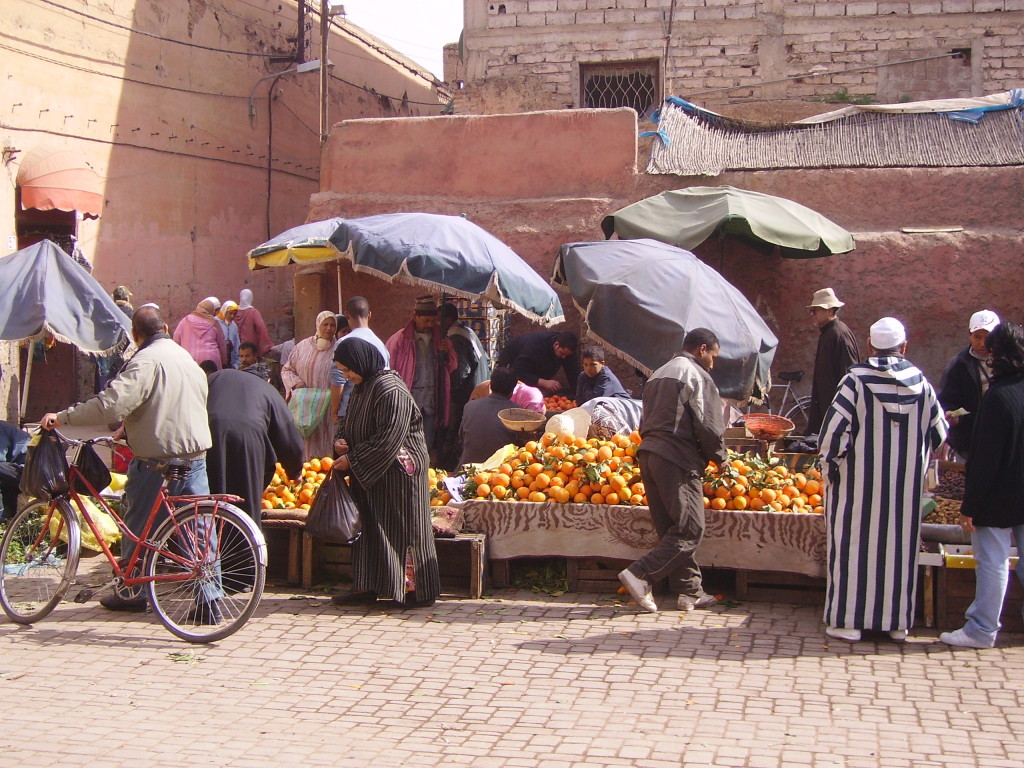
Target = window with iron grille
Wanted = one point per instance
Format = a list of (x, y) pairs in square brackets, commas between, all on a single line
[(620, 84)]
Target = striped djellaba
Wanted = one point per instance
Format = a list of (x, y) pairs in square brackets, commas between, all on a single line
[(875, 441), (394, 505)]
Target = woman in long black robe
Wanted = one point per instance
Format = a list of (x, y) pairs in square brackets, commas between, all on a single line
[(381, 443), (252, 430)]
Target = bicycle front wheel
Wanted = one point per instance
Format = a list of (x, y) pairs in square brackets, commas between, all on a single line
[(798, 414), (208, 571), (38, 559)]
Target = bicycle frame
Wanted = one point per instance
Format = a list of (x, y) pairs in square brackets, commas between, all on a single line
[(142, 544)]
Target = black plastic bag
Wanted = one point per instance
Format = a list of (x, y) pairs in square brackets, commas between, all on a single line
[(46, 468), (333, 515), (92, 468)]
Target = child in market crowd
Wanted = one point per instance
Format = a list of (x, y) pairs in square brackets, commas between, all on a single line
[(596, 379)]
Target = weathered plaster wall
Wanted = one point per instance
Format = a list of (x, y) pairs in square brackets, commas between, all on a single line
[(526, 54), (580, 170), (163, 116)]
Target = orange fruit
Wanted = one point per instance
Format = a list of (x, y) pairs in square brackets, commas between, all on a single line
[(523, 492), (326, 463), (634, 437), (499, 491), (538, 496), (637, 499), (596, 498), (611, 498), (723, 492), (812, 487), (768, 494), (718, 503), (580, 498), (739, 502), (483, 490), (535, 469), (542, 480)]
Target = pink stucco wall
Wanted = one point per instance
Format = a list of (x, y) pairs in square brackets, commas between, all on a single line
[(539, 180)]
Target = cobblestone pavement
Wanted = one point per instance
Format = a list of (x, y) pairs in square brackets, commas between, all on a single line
[(515, 679)]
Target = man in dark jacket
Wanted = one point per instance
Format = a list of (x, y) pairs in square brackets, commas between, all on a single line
[(965, 380), (682, 430), (252, 430), (13, 446), (481, 430), (536, 357), (837, 351)]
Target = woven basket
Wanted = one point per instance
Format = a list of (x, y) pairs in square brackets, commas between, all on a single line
[(521, 420), (766, 426)]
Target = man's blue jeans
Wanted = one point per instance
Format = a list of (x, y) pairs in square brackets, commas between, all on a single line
[(991, 554), (140, 492)]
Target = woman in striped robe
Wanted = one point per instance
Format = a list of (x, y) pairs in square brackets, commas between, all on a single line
[(380, 442), (875, 440)]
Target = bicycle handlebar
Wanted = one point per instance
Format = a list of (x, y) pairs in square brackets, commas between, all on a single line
[(102, 439)]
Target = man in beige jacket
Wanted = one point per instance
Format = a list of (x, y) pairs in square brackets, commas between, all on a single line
[(160, 397)]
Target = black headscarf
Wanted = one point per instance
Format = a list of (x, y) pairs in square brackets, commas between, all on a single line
[(359, 356)]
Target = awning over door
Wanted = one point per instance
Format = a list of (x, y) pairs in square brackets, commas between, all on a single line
[(59, 179)]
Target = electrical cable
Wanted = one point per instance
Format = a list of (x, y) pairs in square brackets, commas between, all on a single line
[(158, 37)]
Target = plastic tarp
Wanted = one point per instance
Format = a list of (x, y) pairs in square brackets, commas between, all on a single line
[(640, 297), (688, 217), (47, 290)]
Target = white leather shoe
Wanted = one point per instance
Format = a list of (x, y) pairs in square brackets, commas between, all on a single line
[(961, 639), (689, 603), (842, 633), (639, 589), (899, 635)]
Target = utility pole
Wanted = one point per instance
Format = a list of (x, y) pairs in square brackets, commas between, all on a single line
[(325, 31)]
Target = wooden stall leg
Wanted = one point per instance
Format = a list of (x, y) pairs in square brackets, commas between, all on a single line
[(294, 536), (928, 583), (499, 573), (572, 573), (477, 567), (741, 585), (307, 560)]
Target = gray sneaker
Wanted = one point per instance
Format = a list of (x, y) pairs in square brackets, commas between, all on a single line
[(639, 589), (691, 602)]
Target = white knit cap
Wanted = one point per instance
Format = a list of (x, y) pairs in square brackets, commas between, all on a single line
[(983, 320), (887, 333)]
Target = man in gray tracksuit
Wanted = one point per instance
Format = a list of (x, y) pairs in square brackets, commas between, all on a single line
[(682, 430)]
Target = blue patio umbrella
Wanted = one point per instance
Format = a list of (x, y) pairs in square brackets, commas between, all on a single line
[(442, 253), (640, 297)]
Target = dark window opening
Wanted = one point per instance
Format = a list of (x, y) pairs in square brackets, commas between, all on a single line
[(633, 84), (963, 54)]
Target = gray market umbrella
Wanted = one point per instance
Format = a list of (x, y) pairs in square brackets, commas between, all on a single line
[(688, 217), (443, 253), (640, 297), (47, 290)]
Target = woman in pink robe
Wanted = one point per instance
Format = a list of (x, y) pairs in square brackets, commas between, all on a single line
[(250, 324), (200, 334)]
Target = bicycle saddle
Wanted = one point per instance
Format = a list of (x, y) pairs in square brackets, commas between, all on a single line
[(171, 469), (791, 375)]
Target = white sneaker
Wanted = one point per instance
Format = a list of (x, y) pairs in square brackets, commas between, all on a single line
[(899, 635), (961, 639), (689, 602), (842, 633), (639, 589)]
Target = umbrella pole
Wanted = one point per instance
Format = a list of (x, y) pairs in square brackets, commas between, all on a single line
[(721, 253), (341, 307), (25, 384)]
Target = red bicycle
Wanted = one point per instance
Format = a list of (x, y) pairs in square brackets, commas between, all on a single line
[(203, 568)]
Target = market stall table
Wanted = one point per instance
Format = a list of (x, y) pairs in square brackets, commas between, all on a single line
[(786, 542)]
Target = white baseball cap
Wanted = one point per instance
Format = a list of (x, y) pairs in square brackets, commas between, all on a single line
[(887, 333), (983, 320)]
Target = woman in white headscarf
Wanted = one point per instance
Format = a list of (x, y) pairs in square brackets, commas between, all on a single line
[(201, 336), (250, 324), (309, 368)]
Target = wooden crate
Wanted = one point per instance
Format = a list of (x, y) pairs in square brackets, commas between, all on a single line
[(775, 587), (461, 563), (954, 593), (594, 574)]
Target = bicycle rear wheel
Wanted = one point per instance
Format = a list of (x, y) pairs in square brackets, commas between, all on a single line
[(38, 559), (798, 414), (210, 566)]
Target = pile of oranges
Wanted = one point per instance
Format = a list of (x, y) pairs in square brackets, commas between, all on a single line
[(558, 403), (749, 482), (568, 470), (439, 495), (285, 493)]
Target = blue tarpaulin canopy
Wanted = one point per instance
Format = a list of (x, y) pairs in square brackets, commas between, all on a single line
[(640, 297), (46, 290)]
